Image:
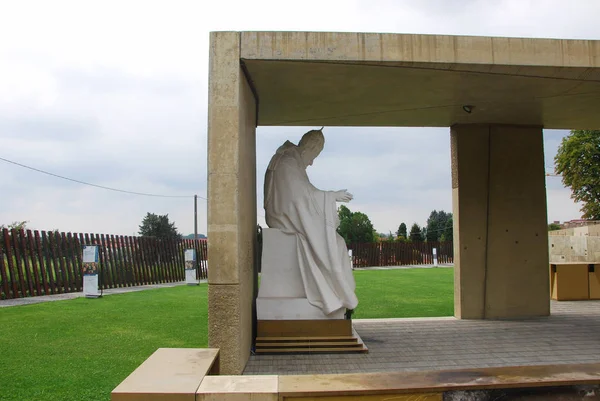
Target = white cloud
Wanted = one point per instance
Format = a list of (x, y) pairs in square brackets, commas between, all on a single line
[(115, 93)]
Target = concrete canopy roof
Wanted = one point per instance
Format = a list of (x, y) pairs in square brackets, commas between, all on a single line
[(368, 79)]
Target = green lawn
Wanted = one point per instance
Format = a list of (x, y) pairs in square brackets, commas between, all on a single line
[(404, 293), (82, 348)]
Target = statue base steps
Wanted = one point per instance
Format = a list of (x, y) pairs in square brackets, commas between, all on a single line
[(307, 336), (292, 309)]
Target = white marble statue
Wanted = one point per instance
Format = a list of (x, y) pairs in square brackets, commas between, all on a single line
[(294, 206)]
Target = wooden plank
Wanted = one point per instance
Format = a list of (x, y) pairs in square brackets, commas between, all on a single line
[(203, 259), (127, 265), (53, 274), (139, 241), (308, 350), (153, 244), (114, 247), (151, 256), (5, 269), (60, 244), (104, 268), (57, 271), (75, 247), (22, 241), (299, 328), (135, 256), (108, 266), (134, 278), (327, 338), (442, 380), (19, 264), (12, 269), (163, 266), (4, 293), (177, 268), (42, 263), (172, 266), (31, 260), (284, 344), (144, 258)]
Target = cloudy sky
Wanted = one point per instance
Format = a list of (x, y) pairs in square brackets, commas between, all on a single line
[(115, 93)]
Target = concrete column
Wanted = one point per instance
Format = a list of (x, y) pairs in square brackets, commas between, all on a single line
[(231, 203), (500, 222)]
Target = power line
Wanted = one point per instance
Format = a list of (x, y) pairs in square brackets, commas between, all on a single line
[(95, 185)]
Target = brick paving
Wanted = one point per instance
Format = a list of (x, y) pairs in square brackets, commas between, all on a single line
[(570, 335)]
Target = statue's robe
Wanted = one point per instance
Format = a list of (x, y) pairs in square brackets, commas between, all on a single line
[(294, 206)]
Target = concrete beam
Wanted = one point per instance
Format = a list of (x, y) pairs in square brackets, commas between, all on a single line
[(370, 79)]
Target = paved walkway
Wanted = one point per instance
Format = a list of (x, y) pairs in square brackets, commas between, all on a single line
[(72, 295), (570, 335)]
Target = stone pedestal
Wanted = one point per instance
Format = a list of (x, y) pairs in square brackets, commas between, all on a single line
[(287, 322), (281, 295)]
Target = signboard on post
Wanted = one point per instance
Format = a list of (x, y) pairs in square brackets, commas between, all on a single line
[(91, 269), (190, 267), (435, 262)]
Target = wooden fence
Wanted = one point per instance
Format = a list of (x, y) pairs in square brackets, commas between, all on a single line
[(43, 263), (400, 254)]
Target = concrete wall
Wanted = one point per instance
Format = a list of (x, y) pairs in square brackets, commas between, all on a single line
[(499, 204), (574, 248), (231, 203)]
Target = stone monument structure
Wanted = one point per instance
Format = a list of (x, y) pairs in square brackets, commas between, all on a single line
[(495, 94), (306, 275)]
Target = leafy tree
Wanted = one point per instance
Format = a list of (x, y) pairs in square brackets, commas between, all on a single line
[(436, 225), (402, 231), (578, 161), (15, 225), (449, 230), (553, 227), (415, 233), (355, 227), (158, 226)]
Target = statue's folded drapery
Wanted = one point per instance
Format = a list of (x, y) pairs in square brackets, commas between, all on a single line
[(295, 206)]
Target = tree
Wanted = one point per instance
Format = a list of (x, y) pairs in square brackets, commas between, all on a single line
[(415, 233), (436, 225), (402, 231), (158, 226), (448, 231), (15, 225), (354, 227), (553, 227), (578, 161)]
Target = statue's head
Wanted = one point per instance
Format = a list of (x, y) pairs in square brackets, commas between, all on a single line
[(311, 145)]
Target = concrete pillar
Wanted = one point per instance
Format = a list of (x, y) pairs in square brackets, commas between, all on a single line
[(500, 222), (231, 203)]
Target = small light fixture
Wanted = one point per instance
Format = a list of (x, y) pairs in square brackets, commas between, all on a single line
[(468, 108)]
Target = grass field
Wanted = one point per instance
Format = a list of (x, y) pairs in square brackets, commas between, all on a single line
[(81, 349), (404, 293)]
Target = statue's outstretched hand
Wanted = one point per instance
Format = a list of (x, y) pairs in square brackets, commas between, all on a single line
[(343, 196)]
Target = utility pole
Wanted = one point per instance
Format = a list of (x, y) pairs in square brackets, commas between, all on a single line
[(195, 217)]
